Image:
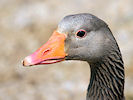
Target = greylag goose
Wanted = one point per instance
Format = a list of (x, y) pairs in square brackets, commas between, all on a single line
[(87, 38)]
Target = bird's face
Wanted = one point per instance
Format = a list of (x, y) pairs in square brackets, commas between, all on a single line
[(78, 37)]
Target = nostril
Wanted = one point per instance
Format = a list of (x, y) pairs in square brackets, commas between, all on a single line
[(46, 51)]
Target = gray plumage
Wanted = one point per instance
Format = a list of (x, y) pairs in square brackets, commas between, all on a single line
[(99, 48)]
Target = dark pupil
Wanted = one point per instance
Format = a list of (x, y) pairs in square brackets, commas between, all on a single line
[(81, 33)]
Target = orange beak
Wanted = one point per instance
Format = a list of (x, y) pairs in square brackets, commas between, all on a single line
[(51, 52)]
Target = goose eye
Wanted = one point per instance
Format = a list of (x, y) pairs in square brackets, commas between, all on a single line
[(81, 33)]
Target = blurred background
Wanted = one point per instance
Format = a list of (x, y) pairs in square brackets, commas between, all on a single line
[(25, 25)]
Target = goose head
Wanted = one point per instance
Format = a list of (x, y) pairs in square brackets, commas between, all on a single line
[(78, 37)]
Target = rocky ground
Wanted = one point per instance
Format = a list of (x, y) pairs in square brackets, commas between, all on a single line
[(27, 24)]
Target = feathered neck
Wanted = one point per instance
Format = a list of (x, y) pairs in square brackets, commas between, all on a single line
[(107, 78)]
